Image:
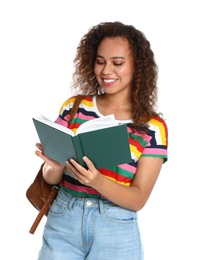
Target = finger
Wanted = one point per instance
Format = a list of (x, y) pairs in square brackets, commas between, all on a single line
[(89, 163), (39, 146), (70, 165), (79, 171), (74, 167), (40, 154)]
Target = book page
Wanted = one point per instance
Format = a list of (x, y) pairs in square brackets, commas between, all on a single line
[(91, 125), (97, 123), (55, 125)]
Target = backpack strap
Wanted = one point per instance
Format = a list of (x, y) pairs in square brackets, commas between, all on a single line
[(75, 107)]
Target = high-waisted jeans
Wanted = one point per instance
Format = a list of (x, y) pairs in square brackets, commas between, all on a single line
[(90, 229)]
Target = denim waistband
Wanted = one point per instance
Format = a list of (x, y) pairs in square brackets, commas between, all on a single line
[(84, 202)]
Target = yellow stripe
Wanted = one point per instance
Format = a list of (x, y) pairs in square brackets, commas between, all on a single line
[(87, 103), (72, 100), (66, 104), (122, 183), (161, 129), (135, 151), (68, 101)]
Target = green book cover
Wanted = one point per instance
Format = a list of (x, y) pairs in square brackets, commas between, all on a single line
[(103, 141)]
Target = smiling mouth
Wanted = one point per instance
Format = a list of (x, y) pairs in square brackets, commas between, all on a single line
[(109, 81)]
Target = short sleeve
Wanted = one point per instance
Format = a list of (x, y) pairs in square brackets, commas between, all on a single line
[(158, 143)]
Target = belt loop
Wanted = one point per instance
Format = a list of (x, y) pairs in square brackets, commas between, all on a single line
[(101, 207), (71, 203)]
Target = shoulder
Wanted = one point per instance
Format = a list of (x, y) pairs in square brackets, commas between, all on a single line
[(158, 126), (85, 100), (157, 122)]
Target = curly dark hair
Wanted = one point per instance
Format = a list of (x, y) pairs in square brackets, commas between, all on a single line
[(144, 86)]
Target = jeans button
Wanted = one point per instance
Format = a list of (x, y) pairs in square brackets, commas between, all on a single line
[(89, 203)]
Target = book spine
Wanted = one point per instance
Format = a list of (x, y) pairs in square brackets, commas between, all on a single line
[(78, 150)]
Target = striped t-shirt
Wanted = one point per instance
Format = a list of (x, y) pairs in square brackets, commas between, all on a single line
[(150, 144)]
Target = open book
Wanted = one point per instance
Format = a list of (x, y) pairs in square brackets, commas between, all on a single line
[(102, 140)]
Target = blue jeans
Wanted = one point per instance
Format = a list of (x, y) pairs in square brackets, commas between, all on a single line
[(90, 229)]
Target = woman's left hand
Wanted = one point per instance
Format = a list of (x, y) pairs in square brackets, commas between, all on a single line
[(90, 177)]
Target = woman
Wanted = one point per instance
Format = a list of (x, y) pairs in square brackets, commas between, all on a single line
[(95, 213)]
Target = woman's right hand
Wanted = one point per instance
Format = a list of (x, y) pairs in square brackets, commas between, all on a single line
[(52, 170)]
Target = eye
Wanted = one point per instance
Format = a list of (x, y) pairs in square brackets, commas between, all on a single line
[(117, 64), (100, 62)]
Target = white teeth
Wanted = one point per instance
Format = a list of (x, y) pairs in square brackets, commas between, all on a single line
[(108, 80)]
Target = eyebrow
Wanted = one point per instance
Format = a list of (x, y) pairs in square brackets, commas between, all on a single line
[(115, 57)]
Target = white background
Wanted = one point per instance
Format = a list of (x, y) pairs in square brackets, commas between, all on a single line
[(38, 40)]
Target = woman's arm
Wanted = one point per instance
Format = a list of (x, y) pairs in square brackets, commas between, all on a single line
[(133, 197)]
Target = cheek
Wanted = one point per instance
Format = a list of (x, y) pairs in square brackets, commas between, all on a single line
[(125, 73), (96, 70), (128, 72), (97, 73)]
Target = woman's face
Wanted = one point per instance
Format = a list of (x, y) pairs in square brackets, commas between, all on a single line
[(114, 67)]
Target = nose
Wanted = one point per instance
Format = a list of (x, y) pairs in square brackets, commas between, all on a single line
[(107, 69)]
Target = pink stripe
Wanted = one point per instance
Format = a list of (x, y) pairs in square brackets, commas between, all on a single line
[(61, 122), (80, 189), (155, 151), (143, 135), (127, 167), (85, 117)]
